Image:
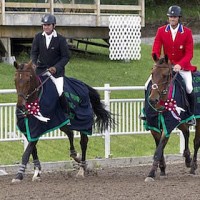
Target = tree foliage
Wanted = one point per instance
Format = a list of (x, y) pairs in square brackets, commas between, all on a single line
[(172, 2)]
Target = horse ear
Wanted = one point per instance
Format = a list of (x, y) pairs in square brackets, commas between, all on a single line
[(30, 62), (16, 65), (155, 58), (166, 58)]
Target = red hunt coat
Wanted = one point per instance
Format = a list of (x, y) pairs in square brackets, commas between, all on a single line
[(179, 51)]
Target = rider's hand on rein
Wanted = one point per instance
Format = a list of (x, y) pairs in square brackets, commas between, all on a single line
[(52, 70), (34, 66), (177, 68)]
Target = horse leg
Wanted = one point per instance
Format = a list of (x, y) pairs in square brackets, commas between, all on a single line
[(186, 133), (37, 165), (161, 142), (196, 143), (25, 158), (70, 135), (162, 166), (83, 164)]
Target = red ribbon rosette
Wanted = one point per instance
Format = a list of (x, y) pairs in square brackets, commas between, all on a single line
[(170, 105), (33, 108)]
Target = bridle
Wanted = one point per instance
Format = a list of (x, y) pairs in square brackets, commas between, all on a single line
[(155, 86), (23, 110), (165, 95), (36, 89)]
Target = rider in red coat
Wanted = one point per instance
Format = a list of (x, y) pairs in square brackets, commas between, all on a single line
[(177, 43), (179, 50)]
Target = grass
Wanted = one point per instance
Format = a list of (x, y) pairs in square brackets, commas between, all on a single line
[(121, 146)]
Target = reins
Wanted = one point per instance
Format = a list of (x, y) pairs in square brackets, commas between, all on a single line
[(165, 91), (37, 88)]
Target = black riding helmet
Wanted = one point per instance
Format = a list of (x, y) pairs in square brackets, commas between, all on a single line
[(174, 11), (48, 19)]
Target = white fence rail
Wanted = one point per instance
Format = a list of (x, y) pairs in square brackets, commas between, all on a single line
[(126, 114)]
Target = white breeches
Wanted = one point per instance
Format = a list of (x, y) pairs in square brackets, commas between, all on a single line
[(57, 81), (187, 77)]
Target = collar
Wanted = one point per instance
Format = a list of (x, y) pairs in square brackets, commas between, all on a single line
[(53, 34), (180, 28)]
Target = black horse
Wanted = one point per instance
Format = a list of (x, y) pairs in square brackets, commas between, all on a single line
[(166, 107), (85, 108)]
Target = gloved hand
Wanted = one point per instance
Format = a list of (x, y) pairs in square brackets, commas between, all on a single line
[(52, 70), (177, 68), (34, 66)]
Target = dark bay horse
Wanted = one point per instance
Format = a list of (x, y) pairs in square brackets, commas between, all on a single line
[(165, 109), (29, 86)]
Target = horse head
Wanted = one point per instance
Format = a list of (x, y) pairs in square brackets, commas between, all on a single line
[(161, 79), (25, 82)]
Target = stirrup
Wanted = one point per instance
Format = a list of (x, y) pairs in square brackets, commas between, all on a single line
[(192, 122)]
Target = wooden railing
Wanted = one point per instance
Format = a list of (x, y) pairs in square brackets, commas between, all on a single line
[(71, 8)]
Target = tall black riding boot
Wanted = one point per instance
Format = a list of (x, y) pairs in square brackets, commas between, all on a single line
[(191, 101), (64, 103)]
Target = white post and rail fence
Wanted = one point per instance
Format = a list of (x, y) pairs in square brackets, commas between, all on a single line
[(126, 114)]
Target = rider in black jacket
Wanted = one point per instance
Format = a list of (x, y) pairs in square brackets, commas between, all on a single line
[(50, 52)]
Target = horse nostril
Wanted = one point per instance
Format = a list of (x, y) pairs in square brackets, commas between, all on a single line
[(153, 102)]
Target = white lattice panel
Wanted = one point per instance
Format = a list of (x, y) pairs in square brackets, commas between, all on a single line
[(125, 37)]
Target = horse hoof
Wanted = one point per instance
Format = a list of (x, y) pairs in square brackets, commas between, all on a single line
[(18, 178), (149, 179), (188, 164), (81, 173), (163, 177), (36, 176), (16, 181), (77, 158), (36, 179), (192, 172)]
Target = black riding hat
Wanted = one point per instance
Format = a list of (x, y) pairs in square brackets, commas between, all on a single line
[(174, 11), (48, 19)]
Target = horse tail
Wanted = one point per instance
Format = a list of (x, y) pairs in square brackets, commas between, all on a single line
[(103, 118)]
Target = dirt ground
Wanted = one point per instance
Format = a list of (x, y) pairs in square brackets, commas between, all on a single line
[(107, 184)]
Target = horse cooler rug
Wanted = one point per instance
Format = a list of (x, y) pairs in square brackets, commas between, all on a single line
[(168, 119), (52, 115)]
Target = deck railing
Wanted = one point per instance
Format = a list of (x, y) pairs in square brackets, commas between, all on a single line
[(71, 7)]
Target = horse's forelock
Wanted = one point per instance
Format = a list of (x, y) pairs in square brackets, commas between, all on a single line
[(21, 66), (25, 67), (161, 61)]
